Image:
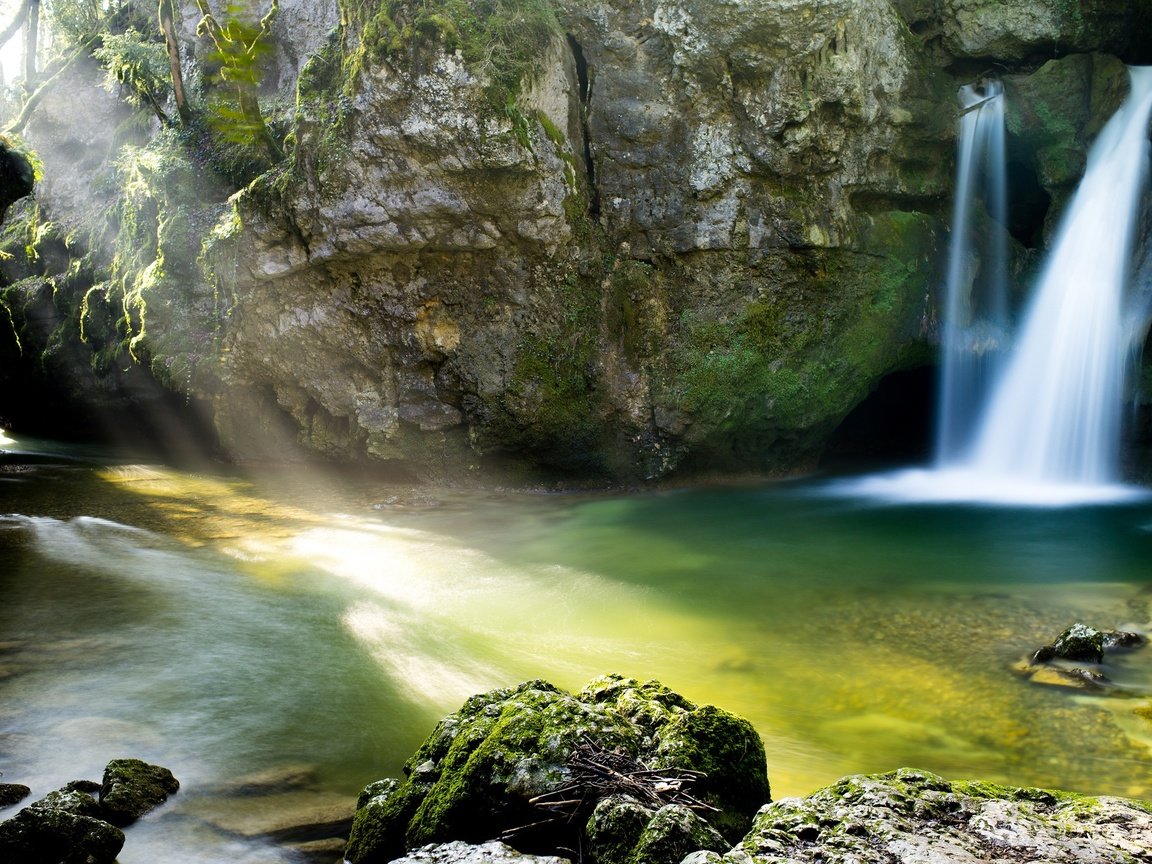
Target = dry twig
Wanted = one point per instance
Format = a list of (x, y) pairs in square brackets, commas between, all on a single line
[(597, 773)]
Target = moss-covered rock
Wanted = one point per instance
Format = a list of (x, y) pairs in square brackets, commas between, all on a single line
[(913, 816), (475, 776), (132, 787), (674, 832)]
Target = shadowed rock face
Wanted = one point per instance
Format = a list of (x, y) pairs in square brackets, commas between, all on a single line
[(15, 177)]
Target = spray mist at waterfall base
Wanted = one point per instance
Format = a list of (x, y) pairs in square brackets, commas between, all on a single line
[(965, 486)]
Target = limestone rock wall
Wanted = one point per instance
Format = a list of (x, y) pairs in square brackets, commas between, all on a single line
[(703, 234)]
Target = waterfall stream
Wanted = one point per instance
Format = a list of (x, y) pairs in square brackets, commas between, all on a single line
[(975, 323), (1054, 417), (1039, 423)]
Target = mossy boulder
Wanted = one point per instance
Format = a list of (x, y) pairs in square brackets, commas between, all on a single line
[(624, 831), (132, 787), (475, 777), (914, 816)]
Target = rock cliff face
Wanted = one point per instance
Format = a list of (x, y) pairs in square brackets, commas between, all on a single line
[(619, 239)]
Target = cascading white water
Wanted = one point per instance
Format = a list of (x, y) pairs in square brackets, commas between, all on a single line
[(1049, 434), (975, 325), (1054, 417)]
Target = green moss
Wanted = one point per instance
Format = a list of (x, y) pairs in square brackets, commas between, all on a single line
[(674, 832), (627, 284), (614, 829), (728, 750), (499, 39), (781, 371), (476, 773)]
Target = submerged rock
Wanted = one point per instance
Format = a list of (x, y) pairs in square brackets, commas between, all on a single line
[(475, 777), (912, 817), (132, 787)]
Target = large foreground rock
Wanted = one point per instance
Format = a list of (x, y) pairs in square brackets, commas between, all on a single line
[(914, 817), (475, 776)]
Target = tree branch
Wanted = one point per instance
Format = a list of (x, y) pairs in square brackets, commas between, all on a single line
[(17, 22), (38, 94)]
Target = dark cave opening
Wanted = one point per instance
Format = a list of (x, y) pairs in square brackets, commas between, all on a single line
[(895, 424), (1028, 204)]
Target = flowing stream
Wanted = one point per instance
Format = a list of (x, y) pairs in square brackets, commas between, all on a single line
[(314, 628)]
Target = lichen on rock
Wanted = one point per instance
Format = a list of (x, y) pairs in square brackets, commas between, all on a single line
[(913, 816)]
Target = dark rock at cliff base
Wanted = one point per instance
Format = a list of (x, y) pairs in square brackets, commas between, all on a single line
[(475, 777), (13, 793), (913, 816), (16, 176), (62, 828), (132, 787)]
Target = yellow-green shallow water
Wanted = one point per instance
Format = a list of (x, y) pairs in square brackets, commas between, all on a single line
[(222, 626)]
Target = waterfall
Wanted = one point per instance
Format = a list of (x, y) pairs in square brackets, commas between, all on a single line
[(1039, 423), (975, 322), (1054, 417)]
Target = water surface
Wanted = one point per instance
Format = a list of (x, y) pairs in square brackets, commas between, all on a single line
[(223, 626)]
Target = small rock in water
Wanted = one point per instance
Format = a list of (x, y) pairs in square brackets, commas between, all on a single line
[(1083, 644), (1083, 679), (296, 816), (279, 779), (13, 793), (1079, 643), (132, 787), (1052, 664), (1121, 640)]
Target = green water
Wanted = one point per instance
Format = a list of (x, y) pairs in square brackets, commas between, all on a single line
[(224, 626)]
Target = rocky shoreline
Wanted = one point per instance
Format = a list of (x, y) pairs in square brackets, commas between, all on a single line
[(621, 772)]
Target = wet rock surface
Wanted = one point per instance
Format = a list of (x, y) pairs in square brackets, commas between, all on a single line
[(913, 816), (73, 826), (13, 793), (1056, 663), (484, 853), (132, 787)]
